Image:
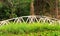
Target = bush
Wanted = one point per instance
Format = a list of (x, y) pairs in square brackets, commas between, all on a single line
[(25, 28), (19, 8)]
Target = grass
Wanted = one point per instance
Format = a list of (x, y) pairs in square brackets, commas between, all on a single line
[(33, 29)]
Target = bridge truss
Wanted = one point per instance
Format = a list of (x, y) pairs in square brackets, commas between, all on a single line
[(30, 19)]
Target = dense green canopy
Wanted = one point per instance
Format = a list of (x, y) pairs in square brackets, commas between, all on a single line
[(16, 8)]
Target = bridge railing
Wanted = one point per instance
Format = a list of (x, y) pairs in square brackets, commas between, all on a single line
[(30, 19)]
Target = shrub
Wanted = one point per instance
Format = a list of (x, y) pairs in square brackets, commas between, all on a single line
[(21, 28)]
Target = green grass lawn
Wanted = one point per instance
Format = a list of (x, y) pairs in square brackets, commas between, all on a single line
[(33, 29)]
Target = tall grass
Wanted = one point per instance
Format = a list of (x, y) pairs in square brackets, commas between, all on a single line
[(22, 28)]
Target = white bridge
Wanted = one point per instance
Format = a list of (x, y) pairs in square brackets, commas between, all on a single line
[(30, 19)]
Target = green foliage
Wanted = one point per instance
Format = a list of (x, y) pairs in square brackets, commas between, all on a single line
[(14, 8), (43, 29)]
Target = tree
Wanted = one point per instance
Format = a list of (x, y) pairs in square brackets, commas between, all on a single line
[(56, 8), (14, 8), (32, 8)]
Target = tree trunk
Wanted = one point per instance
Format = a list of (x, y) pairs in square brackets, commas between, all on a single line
[(32, 8), (37, 7), (56, 2)]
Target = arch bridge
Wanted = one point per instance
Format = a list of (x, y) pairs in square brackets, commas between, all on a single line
[(31, 19)]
